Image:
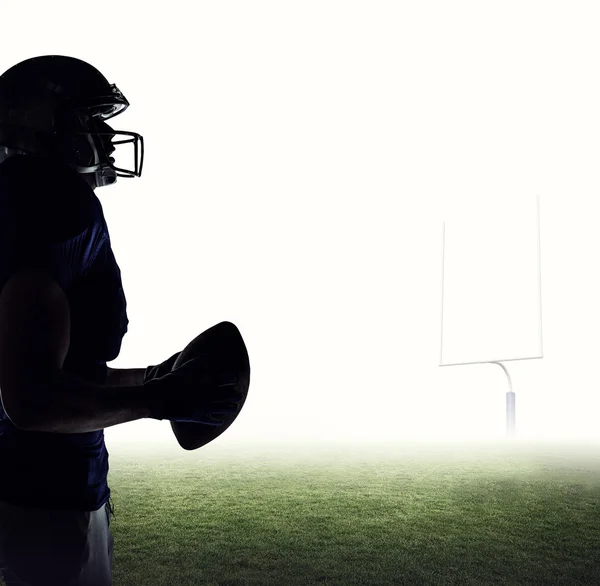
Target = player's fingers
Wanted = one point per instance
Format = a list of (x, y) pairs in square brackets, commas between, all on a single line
[(226, 380), (213, 422), (225, 408)]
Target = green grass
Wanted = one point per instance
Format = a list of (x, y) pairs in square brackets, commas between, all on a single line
[(343, 516), (222, 516)]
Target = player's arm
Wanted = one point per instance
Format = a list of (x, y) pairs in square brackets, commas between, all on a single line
[(34, 340), (122, 377)]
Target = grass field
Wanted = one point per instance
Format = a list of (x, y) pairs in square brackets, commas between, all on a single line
[(387, 515), (341, 515)]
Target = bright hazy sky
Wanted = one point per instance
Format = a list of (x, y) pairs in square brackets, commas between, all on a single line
[(300, 160)]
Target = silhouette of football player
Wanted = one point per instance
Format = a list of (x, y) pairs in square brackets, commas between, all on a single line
[(62, 319)]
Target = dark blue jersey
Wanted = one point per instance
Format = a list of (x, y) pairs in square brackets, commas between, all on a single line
[(51, 219)]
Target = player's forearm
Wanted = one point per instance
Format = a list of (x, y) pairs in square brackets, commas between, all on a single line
[(72, 405), (121, 377)]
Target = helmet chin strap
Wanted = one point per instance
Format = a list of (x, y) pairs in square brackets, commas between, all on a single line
[(97, 173), (95, 176), (105, 176)]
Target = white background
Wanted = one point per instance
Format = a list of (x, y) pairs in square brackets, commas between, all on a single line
[(300, 159), (492, 294)]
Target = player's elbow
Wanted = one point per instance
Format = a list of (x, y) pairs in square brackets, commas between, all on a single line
[(16, 413), (29, 408)]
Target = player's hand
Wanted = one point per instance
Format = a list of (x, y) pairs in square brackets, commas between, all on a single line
[(194, 393), (158, 370)]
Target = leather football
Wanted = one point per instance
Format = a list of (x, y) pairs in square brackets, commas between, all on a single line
[(222, 348)]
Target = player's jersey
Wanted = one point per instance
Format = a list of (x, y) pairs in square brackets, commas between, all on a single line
[(51, 219)]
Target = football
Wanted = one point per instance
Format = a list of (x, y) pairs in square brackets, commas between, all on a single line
[(222, 348)]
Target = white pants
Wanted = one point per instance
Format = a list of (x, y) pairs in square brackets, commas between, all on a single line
[(40, 547)]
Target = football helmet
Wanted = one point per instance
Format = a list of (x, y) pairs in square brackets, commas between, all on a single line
[(57, 107)]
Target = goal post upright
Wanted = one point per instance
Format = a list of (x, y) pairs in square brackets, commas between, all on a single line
[(510, 395)]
